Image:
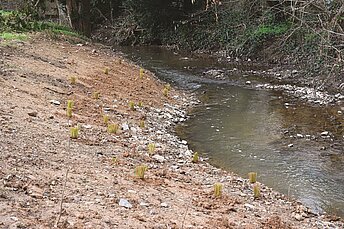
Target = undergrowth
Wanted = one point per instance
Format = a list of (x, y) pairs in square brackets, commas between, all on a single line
[(15, 24)]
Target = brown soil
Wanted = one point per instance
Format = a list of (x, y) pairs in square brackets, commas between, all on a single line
[(34, 139)]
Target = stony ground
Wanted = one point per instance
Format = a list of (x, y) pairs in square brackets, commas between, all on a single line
[(95, 174)]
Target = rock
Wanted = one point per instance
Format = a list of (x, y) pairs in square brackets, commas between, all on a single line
[(159, 158), (291, 145), (32, 113), (184, 142), (299, 135), (35, 192), (188, 153), (143, 204), (248, 82), (14, 218), (125, 203), (249, 206), (298, 217), (325, 133), (164, 205), (125, 126), (55, 102)]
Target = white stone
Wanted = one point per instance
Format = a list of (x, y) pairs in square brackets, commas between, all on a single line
[(325, 133), (159, 158), (125, 203), (164, 205), (55, 102)]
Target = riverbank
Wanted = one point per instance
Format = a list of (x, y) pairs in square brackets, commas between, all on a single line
[(101, 189)]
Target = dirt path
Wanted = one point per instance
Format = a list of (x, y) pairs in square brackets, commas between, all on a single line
[(176, 193)]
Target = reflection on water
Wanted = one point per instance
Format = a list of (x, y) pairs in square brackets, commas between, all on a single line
[(246, 130)]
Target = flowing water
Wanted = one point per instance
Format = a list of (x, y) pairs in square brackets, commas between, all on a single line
[(242, 130)]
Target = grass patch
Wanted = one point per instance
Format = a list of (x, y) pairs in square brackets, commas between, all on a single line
[(5, 13), (13, 36)]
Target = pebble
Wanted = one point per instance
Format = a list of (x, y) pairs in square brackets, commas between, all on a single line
[(55, 102), (159, 158), (125, 203), (125, 126), (33, 113), (164, 205), (248, 82), (249, 206), (143, 204), (184, 142), (298, 217), (291, 145), (325, 133)]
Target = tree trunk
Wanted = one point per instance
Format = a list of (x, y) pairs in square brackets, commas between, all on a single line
[(79, 15)]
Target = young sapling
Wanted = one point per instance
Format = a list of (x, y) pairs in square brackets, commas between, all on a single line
[(195, 158), (218, 189), (140, 171), (113, 128), (252, 176)]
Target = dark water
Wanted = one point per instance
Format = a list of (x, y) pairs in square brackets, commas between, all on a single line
[(243, 130)]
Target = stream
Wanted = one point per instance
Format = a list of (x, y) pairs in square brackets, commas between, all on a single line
[(296, 148)]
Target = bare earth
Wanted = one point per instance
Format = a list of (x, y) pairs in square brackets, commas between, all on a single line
[(176, 193)]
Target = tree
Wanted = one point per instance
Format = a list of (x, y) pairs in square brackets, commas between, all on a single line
[(79, 15)]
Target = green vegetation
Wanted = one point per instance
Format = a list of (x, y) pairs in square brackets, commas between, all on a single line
[(13, 36), (140, 171), (256, 191), (142, 72), (70, 104), (131, 105), (72, 80), (113, 128), (151, 148), (96, 95), (140, 104), (106, 71), (106, 119), (114, 160), (74, 132), (195, 158), (252, 176), (168, 86), (218, 189), (165, 92), (142, 124), (14, 25)]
